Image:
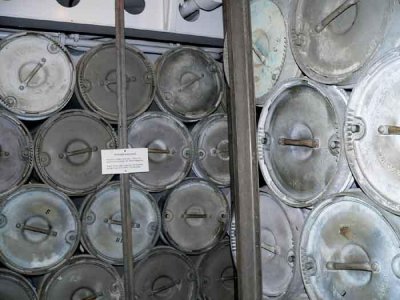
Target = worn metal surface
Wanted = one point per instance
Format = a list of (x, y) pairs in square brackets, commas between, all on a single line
[(195, 208), (15, 287), (37, 77), (210, 137), (97, 84), (243, 149), (350, 250), (101, 223), (189, 83), (333, 40), (301, 142), (371, 131), (39, 229), (166, 273), (67, 151), (83, 278), (217, 273), (170, 150), (16, 153)]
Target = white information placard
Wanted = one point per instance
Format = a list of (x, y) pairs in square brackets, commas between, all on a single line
[(124, 161)]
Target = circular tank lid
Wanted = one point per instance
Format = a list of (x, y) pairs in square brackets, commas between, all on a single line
[(170, 149), (39, 229), (189, 83), (16, 154), (97, 82), (211, 143), (372, 130), (280, 228), (195, 208), (67, 151), (102, 226), (332, 40), (15, 287), (300, 142), (165, 273), (37, 77), (217, 273), (349, 250), (83, 277)]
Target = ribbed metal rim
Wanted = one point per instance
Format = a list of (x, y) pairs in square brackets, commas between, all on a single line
[(22, 281)]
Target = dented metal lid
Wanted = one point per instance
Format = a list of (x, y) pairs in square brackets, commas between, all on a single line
[(16, 154), (280, 228), (195, 208), (101, 223), (83, 277), (300, 142), (211, 144), (37, 77), (67, 151), (372, 131), (170, 149), (39, 229), (333, 40), (189, 83), (165, 273), (350, 250), (217, 273), (97, 82), (15, 287)]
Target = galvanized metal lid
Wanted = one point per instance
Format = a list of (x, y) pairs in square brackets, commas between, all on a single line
[(37, 77), (189, 83), (67, 151), (101, 223), (372, 132), (333, 40), (16, 153), (165, 273), (280, 228), (195, 208), (15, 287), (170, 150), (300, 142), (217, 273), (83, 277), (97, 82), (350, 250), (39, 229), (211, 144)]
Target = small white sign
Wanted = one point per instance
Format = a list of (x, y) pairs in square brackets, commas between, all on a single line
[(124, 161)]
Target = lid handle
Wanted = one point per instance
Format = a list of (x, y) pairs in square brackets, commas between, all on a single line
[(195, 216), (334, 14), (3, 153), (190, 82), (78, 152), (269, 248), (36, 229), (259, 54), (311, 143), (365, 267), (32, 74), (164, 288), (93, 297), (118, 222), (389, 130), (159, 151)]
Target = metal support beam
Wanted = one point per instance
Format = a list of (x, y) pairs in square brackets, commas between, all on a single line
[(123, 143), (244, 167)]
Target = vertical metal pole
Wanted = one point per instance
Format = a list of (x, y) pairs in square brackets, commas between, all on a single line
[(123, 143), (244, 166)]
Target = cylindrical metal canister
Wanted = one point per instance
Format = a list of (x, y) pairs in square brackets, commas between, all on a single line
[(67, 151), (15, 287), (96, 86), (101, 223), (301, 142), (37, 77), (16, 154), (39, 229), (170, 150), (210, 137), (165, 273), (83, 277), (195, 216), (189, 83)]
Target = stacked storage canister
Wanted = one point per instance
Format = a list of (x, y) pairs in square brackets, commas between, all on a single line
[(324, 233), (60, 217)]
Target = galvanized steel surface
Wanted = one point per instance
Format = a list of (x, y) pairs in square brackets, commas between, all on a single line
[(15, 287)]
